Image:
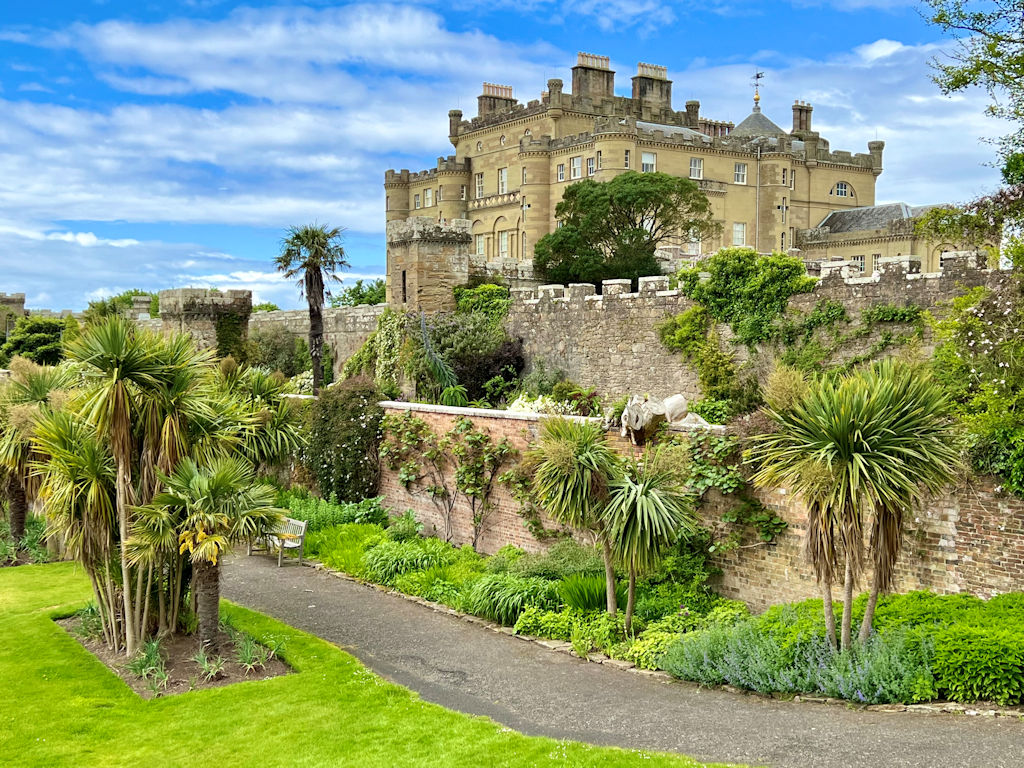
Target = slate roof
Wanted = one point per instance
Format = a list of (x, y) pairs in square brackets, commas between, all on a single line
[(672, 130), (868, 217), (756, 124)]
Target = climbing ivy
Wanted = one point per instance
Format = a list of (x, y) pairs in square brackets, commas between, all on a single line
[(228, 330)]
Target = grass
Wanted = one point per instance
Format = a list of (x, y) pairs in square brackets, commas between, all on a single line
[(65, 708)]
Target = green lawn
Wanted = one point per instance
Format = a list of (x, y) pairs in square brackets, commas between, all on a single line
[(63, 707)]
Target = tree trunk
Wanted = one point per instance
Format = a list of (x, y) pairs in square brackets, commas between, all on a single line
[(207, 587), (17, 506), (869, 612), (830, 612), (847, 603), (316, 345), (631, 599), (609, 577), (130, 642)]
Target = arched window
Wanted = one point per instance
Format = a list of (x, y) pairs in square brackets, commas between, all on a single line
[(527, 132), (479, 146), (502, 140), (842, 189)]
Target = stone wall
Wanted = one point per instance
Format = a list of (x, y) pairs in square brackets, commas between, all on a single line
[(200, 311), (345, 328), (608, 341), (969, 540)]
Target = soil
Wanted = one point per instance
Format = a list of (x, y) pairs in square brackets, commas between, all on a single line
[(22, 558), (184, 674)]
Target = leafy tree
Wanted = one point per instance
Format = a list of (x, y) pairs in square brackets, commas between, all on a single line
[(573, 468), (490, 299), (35, 338), (265, 306), (313, 254), (611, 229), (358, 293), (875, 442), (989, 54), (121, 304), (648, 509)]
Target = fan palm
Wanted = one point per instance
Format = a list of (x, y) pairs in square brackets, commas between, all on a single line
[(573, 467), (215, 505), (872, 443), (313, 254), (648, 509)]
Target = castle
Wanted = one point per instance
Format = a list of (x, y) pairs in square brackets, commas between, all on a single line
[(482, 210)]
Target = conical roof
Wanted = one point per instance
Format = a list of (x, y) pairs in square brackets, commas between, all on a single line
[(755, 125)]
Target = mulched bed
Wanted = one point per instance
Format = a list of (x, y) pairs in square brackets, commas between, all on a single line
[(184, 674)]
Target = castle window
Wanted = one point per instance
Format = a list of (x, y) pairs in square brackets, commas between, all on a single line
[(782, 242), (502, 140), (739, 173), (590, 166), (479, 185), (874, 261), (527, 132), (858, 263), (523, 254), (502, 181), (696, 168), (561, 171), (416, 201), (440, 194), (648, 162), (783, 208), (739, 233), (784, 176), (462, 192), (405, 292), (599, 164), (575, 167), (387, 203), (842, 189), (479, 242), (627, 160), (503, 243), (428, 198), (524, 174), (792, 178), (479, 146)]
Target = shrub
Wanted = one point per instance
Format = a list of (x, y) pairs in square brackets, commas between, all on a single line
[(973, 664), (504, 559), (342, 547), (390, 559), (344, 437), (488, 299), (669, 598), (277, 349), (563, 558), (431, 584), (320, 513), (888, 668), (555, 625), (502, 598), (404, 527), (588, 592)]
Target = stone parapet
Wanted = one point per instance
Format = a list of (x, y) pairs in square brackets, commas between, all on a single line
[(429, 229)]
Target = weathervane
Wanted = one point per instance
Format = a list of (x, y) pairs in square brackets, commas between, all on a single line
[(756, 80)]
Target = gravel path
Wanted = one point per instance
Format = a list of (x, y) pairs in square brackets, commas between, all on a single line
[(540, 692)]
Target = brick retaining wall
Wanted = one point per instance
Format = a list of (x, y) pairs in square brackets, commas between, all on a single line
[(970, 540)]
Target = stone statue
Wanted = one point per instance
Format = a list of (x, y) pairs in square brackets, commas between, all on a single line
[(641, 417)]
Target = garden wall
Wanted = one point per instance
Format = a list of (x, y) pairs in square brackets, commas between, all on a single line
[(345, 328), (610, 341), (971, 540)]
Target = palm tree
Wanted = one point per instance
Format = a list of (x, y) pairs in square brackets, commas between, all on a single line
[(313, 254), (872, 443), (215, 505), (23, 399), (648, 509), (573, 467), (118, 361)]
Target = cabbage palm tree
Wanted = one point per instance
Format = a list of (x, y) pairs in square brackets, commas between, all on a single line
[(872, 444), (118, 361), (211, 506), (573, 468), (648, 509), (313, 254), (23, 399)]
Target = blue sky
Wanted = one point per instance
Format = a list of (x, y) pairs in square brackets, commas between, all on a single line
[(163, 144)]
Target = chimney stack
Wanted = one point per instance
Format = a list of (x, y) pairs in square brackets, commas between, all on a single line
[(801, 116), (495, 98), (693, 115), (592, 77), (651, 86)]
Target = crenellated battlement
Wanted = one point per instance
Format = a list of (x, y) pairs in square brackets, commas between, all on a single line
[(429, 229)]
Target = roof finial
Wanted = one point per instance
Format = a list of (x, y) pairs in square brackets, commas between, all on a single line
[(758, 76)]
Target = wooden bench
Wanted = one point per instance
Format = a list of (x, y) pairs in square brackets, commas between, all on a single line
[(291, 535)]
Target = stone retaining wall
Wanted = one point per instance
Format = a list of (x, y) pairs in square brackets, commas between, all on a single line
[(970, 540)]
